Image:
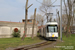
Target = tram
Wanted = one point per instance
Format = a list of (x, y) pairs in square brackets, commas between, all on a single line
[(50, 31)]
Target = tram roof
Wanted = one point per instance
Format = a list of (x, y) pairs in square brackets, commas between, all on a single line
[(51, 23)]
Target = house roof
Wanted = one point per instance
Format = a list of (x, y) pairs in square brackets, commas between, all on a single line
[(41, 26), (27, 19), (15, 22)]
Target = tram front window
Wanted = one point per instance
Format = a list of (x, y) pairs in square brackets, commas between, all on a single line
[(51, 28)]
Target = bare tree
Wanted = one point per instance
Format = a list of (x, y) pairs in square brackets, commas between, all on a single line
[(58, 20), (54, 20), (34, 23), (69, 16), (26, 14), (64, 18), (39, 19), (50, 19), (46, 8)]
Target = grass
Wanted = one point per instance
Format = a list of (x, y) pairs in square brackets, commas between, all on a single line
[(14, 42), (67, 42)]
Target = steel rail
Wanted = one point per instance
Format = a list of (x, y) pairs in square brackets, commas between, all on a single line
[(35, 45)]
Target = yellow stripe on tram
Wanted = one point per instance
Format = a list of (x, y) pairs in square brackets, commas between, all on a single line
[(53, 35)]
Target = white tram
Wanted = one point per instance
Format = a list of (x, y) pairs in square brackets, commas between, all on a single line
[(50, 31)]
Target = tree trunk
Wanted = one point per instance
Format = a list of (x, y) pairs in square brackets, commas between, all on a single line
[(69, 17), (33, 23), (25, 24)]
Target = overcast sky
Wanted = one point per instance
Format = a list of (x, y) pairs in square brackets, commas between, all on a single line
[(13, 10)]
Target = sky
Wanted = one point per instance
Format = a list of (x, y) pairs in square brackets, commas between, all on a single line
[(14, 10)]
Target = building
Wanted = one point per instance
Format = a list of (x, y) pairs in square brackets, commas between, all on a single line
[(28, 21), (6, 28)]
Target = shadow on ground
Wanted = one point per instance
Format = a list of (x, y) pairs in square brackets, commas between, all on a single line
[(43, 38)]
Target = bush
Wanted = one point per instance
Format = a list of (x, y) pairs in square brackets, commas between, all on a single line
[(16, 33)]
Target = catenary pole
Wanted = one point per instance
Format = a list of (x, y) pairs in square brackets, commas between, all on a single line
[(61, 20)]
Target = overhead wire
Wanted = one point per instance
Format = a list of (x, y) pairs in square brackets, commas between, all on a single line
[(46, 5)]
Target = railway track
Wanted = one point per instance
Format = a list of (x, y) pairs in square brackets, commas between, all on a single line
[(35, 45)]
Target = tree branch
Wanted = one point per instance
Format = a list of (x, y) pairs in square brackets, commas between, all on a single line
[(29, 6)]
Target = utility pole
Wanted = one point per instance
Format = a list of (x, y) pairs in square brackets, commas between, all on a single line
[(61, 20), (25, 23), (33, 23)]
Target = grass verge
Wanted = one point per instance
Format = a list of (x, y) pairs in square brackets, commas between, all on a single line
[(14, 42), (67, 44)]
